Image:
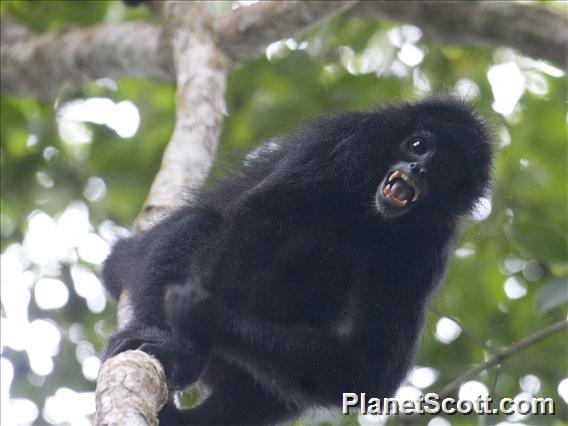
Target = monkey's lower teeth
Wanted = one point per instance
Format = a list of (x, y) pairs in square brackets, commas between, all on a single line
[(394, 201), (400, 189)]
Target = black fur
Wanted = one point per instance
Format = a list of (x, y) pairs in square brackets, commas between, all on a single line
[(296, 279)]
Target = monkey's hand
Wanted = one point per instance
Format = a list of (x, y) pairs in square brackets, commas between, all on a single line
[(195, 313), (182, 362)]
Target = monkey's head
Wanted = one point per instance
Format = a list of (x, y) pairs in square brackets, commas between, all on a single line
[(419, 162), (439, 156)]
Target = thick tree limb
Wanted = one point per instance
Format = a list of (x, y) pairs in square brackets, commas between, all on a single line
[(245, 33), (37, 66), (129, 388), (201, 78), (533, 31), (201, 73)]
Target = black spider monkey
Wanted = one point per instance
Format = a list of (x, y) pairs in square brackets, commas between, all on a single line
[(306, 274)]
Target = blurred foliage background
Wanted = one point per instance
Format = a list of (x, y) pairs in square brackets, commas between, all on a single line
[(75, 172)]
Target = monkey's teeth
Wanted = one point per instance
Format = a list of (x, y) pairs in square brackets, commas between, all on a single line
[(409, 181), (393, 200), (395, 175), (416, 194), (387, 189)]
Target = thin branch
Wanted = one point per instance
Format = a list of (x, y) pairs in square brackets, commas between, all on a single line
[(501, 356), (493, 389), (470, 336), (38, 65)]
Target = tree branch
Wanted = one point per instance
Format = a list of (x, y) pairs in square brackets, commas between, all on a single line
[(200, 69), (467, 334), (496, 360), (129, 388), (533, 31), (78, 55), (501, 356), (38, 65), (246, 33)]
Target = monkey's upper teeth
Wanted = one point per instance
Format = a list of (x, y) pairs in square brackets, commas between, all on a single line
[(395, 175), (417, 193), (392, 199), (389, 191), (408, 181)]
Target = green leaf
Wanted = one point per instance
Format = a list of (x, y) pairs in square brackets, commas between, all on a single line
[(536, 241), (187, 398), (552, 294)]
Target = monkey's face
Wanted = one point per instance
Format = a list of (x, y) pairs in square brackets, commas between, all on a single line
[(439, 162), (406, 182)]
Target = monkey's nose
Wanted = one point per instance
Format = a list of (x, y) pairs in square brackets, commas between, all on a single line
[(417, 169)]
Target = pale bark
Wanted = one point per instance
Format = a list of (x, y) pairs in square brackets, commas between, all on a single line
[(201, 77), (38, 65), (130, 386)]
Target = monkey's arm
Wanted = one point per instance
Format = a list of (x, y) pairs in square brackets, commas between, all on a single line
[(143, 265), (298, 362)]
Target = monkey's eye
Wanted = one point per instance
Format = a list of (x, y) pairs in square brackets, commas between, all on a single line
[(418, 146)]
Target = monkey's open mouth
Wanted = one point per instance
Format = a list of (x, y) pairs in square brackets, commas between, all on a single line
[(399, 190)]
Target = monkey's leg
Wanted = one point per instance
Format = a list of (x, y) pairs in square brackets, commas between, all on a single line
[(235, 401)]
